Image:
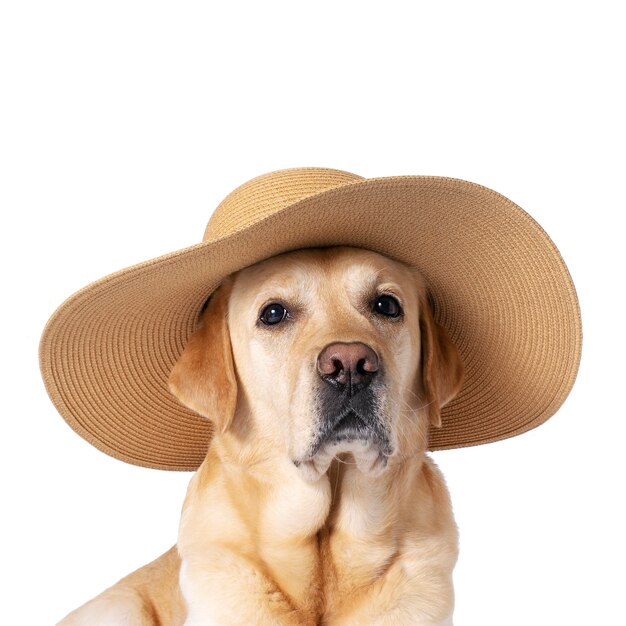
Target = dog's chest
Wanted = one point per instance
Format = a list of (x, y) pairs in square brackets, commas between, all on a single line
[(350, 563), (357, 544)]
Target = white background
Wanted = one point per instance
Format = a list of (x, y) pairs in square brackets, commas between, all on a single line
[(123, 124)]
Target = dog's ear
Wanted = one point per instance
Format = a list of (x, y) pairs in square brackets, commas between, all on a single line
[(442, 370), (203, 378)]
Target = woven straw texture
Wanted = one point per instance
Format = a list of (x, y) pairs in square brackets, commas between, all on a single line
[(498, 283)]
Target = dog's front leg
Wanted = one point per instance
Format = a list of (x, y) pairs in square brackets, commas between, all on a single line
[(228, 589), (254, 558), (422, 597), (393, 544)]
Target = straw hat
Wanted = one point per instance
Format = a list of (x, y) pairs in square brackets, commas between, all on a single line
[(497, 281)]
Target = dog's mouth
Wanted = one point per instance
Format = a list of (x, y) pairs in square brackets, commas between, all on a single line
[(352, 431), (350, 426)]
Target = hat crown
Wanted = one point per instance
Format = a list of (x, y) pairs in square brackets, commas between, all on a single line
[(268, 194)]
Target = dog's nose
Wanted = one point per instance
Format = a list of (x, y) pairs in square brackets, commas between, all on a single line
[(350, 366)]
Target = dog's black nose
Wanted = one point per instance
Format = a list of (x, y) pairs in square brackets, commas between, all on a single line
[(348, 366)]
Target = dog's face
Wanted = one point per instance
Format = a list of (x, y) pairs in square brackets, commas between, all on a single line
[(322, 352)]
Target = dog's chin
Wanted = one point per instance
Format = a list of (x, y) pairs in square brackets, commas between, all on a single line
[(369, 458)]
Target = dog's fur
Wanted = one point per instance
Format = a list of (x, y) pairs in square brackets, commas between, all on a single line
[(287, 522)]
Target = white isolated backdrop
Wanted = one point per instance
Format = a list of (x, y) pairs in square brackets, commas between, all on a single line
[(123, 125)]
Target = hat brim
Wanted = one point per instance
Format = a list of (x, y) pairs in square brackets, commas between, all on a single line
[(498, 285)]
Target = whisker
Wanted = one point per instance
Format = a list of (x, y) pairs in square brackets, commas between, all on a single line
[(332, 500)]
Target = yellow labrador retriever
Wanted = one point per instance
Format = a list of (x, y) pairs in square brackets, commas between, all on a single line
[(322, 371)]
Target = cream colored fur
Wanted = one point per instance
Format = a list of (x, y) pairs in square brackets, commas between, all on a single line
[(268, 535)]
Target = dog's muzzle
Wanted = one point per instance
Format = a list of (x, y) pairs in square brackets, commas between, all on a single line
[(348, 401)]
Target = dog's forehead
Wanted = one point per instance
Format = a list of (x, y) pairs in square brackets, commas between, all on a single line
[(307, 269)]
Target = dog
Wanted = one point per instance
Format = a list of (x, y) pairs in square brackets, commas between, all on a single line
[(322, 371)]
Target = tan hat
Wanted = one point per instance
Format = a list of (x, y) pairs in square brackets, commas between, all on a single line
[(497, 281)]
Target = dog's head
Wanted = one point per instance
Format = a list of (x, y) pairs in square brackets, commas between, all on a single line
[(322, 352)]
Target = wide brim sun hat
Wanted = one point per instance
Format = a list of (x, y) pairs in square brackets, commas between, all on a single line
[(497, 283)]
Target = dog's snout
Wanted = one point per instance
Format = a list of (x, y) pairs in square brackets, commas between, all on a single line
[(348, 364)]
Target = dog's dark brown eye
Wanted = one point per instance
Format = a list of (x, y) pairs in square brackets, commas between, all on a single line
[(388, 306), (273, 314)]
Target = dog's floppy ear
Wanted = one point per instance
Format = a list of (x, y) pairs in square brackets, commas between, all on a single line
[(204, 376), (442, 370)]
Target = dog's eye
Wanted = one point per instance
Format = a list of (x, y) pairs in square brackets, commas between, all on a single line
[(273, 314), (388, 306)]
